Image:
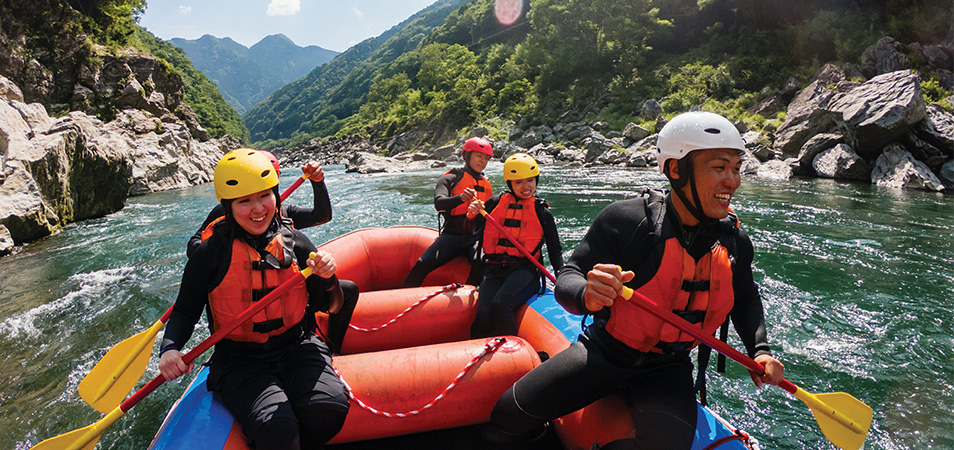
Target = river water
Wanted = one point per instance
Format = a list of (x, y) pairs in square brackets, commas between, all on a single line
[(857, 281)]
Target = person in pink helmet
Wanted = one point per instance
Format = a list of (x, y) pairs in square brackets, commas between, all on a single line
[(452, 195)]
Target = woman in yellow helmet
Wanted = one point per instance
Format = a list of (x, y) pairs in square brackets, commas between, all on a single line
[(510, 279), (273, 373), (301, 216)]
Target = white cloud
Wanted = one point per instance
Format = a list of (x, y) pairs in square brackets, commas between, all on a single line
[(185, 10), (357, 12), (283, 7)]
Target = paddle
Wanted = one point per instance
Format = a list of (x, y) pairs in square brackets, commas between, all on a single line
[(108, 382), (843, 419), (519, 246), (295, 185), (86, 438)]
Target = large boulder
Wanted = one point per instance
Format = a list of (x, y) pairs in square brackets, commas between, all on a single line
[(897, 168), (841, 162), (879, 111), (884, 56)]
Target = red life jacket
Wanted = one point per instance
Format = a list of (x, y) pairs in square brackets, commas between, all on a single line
[(247, 280), (700, 292), (519, 218), (481, 186)]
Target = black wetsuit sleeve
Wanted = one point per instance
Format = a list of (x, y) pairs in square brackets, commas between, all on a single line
[(443, 200), (609, 240), (552, 238), (196, 239), (321, 291), (318, 214), (192, 299), (748, 314)]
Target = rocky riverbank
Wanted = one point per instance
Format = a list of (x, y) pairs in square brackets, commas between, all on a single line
[(54, 171)]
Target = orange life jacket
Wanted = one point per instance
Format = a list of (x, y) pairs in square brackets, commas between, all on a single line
[(247, 280), (700, 292), (481, 186), (207, 231), (519, 218)]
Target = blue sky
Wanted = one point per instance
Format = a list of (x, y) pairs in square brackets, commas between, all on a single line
[(331, 24)]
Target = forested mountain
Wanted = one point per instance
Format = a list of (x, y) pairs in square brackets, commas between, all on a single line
[(246, 75), (335, 90), (208, 102), (584, 59)]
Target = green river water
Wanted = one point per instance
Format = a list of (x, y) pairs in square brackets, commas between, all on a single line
[(857, 281)]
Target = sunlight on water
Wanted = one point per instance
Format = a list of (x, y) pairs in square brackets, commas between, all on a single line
[(857, 283)]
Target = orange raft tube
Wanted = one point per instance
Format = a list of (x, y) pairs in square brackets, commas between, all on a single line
[(408, 359), (429, 322)]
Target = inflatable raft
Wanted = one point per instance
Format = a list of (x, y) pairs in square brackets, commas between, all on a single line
[(411, 367)]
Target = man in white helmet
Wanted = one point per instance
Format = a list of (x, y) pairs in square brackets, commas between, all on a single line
[(683, 251)]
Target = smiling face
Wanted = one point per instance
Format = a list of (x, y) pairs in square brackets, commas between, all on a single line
[(254, 212), (716, 175), (524, 188)]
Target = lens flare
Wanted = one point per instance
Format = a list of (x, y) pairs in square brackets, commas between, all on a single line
[(508, 11)]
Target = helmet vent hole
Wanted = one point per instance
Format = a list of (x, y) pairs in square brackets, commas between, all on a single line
[(713, 130), (232, 182), (265, 173)]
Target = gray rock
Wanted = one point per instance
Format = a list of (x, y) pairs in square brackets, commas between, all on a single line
[(775, 170), (635, 132), (6, 241), (817, 144), (841, 162), (883, 57), (897, 168), (879, 111)]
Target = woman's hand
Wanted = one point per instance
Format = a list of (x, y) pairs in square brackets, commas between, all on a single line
[(323, 264), (314, 171), (171, 365), (774, 371), (603, 285)]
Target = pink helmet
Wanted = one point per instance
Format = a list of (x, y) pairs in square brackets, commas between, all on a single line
[(479, 145), (272, 159)]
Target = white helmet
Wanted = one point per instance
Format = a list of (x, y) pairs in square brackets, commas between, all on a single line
[(697, 130)]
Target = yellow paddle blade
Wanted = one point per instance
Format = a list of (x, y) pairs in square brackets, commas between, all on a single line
[(108, 383), (843, 419), (82, 439)]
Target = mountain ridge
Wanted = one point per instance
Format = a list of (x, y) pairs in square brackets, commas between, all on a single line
[(247, 75)]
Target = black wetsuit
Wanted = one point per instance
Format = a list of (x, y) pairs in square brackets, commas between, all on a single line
[(301, 217), (509, 283), (279, 390), (658, 388), (459, 236)]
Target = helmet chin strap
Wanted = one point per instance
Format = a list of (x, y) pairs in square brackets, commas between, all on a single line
[(686, 170)]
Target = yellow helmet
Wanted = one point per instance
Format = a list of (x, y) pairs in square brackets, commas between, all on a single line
[(519, 166), (242, 172)]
